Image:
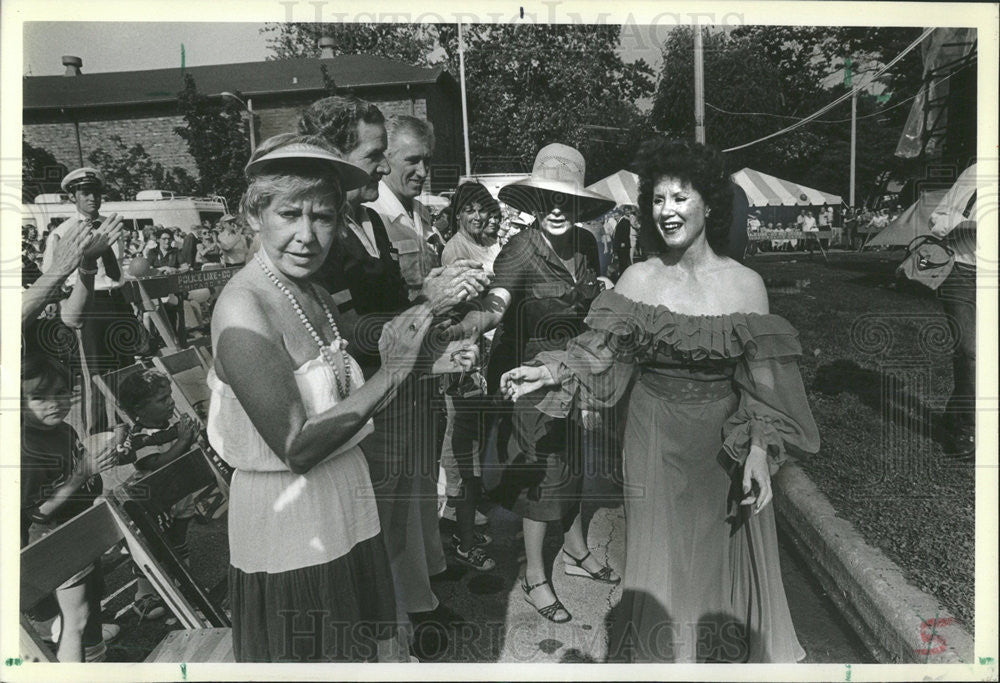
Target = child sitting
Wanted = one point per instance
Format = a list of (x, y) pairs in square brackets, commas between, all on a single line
[(155, 441), (59, 480)]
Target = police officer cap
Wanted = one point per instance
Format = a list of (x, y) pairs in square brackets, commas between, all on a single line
[(82, 176)]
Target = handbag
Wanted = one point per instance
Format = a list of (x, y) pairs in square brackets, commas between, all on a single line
[(929, 260)]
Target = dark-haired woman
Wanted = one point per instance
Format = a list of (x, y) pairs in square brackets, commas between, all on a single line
[(715, 398)]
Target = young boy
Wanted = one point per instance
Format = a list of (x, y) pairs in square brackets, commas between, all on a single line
[(60, 479), (155, 441)]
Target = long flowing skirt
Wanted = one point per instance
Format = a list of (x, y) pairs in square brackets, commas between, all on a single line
[(702, 580)]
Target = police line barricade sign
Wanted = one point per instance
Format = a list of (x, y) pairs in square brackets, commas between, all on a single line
[(146, 292), (178, 283)]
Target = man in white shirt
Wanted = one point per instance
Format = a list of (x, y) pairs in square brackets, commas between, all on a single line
[(403, 451), (954, 220), (85, 186), (407, 221), (110, 335), (809, 230)]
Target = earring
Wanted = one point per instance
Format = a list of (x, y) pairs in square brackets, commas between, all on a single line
[(708, 212)]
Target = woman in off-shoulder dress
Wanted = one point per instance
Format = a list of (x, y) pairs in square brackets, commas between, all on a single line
[(714, 397)]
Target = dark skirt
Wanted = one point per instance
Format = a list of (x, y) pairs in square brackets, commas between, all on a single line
[(542, 478), (332, 612)]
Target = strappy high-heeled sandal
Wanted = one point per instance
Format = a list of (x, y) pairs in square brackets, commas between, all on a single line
[(574, 567), (549, 611)]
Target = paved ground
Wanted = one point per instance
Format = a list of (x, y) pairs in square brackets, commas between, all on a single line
[(507, 629), (499, 626)]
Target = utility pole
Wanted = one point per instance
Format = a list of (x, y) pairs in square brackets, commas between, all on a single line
[(699, 87), (849, 82), (253, 135), (854, 138), (465, 110)]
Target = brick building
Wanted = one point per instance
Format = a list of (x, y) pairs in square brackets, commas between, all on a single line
[(74, 114)]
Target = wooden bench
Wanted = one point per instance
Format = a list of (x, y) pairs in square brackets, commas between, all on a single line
[(203, 645)]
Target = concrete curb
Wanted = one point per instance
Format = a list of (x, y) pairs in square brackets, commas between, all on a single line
[(899, 622)]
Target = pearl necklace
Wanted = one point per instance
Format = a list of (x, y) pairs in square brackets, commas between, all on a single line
[(343, 387)]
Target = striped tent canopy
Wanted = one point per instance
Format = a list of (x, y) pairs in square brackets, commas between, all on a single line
[(766, 190), (622, 186)]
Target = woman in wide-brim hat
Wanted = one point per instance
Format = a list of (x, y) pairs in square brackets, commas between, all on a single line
[(545, 279), (289, 409)]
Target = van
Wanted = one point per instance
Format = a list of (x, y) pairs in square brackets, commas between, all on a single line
[(150, 207)]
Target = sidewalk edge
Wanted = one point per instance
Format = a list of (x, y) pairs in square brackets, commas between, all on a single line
[(898, 621)]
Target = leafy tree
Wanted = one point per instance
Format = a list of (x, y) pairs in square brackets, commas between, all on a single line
[(760, 79), (128, 170), (527, 85), (217, 139), (530, 85), (40, 172), (410, 43)]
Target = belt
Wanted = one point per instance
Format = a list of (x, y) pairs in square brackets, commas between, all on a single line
[(686, 389)]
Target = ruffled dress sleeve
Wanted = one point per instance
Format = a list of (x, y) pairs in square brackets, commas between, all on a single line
[(773, 408), (596, 367)]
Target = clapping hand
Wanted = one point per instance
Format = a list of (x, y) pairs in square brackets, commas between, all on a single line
[(446, 287), (187, 430), (402, 339), (68, 249), (107, 233), (99, 460), (524, 380)]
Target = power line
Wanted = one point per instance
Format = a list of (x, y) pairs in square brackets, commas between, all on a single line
[(837, 101), (799, 118)]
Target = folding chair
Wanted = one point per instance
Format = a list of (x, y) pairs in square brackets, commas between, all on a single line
[(189, 380), (203, 345), (189, 388), (50, 561), (152, 312), (107, 384), (143, 501)]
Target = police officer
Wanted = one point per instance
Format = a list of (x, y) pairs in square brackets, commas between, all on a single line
[(110, 335), (85, 186)]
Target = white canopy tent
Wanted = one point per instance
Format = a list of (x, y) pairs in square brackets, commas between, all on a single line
[(622, 186), (914, 221), (762, 190), (766, 190)]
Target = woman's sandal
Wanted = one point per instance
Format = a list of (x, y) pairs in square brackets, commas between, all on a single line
[(549, 611), (574, 567)]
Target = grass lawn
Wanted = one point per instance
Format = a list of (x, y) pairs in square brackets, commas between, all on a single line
[(877, 367)]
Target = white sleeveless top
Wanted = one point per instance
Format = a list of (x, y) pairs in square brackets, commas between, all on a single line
[(279, 520)]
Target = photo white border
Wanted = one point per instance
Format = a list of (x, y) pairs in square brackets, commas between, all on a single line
[(13, 13)]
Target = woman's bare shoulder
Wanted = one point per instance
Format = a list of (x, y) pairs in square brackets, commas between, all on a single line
[(635, 280), (241, 304)]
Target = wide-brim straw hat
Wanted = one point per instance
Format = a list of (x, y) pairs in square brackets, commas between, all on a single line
[(286, 154), (556, 181)]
